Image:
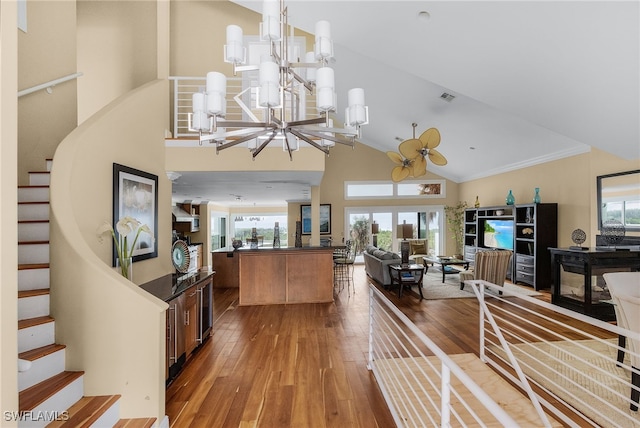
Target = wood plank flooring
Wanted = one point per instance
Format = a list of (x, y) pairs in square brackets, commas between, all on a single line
[(302, 365)]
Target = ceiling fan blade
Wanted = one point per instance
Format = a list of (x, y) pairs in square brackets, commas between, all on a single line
[(410, 148), (430, 138), (395, 157), (399, 173), (419, 166), (436, 157)]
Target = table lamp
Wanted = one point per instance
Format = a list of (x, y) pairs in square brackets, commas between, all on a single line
[(405, 230), (374, 231)]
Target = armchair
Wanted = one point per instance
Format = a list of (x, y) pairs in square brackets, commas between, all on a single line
[(490, 266), (625, 294)]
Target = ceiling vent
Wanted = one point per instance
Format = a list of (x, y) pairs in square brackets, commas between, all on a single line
[(447, 97)]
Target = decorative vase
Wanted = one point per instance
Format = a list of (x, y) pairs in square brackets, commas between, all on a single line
[(276, 235), (510, 199), (298, 234), (536, 196), (254, 238), (125, 267), (477, 204)]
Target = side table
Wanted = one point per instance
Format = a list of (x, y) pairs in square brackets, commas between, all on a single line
[(407, 275)]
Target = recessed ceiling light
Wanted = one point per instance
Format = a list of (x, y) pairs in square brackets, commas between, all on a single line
[(423, 15)]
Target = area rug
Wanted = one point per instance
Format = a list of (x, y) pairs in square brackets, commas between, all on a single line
[(567, 369), (433, 288)]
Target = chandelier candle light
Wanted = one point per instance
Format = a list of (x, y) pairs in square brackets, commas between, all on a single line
[(280, 94)]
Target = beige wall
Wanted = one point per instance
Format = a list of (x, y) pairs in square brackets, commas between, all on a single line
[(8, 209), (47, 51), (569, 182), (113, 330), (117, 52), (361, 164)]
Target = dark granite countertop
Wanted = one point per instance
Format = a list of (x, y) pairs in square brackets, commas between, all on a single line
[(172, 285)]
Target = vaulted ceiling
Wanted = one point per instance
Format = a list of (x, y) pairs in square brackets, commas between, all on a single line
[(533, 81)]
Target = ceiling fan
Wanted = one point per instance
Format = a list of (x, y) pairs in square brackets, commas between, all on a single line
[(412, 159)]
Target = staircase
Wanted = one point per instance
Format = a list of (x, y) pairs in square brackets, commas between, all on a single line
[(48, 394)]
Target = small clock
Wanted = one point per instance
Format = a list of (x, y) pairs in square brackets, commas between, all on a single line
[(180, 256)]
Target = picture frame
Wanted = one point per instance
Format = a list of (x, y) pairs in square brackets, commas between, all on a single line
[(135, 194), (325, 219)]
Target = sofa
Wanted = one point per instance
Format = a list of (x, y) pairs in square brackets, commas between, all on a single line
[(376, 262)]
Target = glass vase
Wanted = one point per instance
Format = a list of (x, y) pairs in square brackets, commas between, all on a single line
[(125, 267), (536, 196), (510, 199)]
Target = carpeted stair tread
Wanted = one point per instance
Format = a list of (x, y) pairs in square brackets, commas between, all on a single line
[(135, 423), (86, 411), (38, 393), (43, 351)]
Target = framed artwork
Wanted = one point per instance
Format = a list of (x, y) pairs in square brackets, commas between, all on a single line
[(325, 219), (135, 194)]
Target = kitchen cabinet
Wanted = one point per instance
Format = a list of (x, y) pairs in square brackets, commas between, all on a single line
[(190, 320), (189, 316)]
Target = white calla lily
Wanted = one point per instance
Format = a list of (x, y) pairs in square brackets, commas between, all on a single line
[(125, 226)]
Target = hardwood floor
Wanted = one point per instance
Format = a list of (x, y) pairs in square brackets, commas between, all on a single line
[(302, 365)]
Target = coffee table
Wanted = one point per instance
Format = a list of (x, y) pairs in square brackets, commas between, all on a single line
[(445, 264)]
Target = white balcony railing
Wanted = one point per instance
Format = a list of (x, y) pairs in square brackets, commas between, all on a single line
[(565, 371)]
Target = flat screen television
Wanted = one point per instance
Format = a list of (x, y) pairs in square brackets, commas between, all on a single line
[(498, 234)]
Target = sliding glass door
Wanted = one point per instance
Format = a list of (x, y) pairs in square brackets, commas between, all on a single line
[(427, 224)]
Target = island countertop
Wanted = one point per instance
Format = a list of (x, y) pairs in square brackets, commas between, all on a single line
[(170, 286)]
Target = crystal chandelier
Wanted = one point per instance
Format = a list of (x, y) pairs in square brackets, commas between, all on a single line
[(278, 94)]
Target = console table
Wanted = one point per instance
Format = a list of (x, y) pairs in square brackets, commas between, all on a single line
[(577, 282)]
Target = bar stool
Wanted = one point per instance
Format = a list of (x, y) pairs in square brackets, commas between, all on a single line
[(343, 262)]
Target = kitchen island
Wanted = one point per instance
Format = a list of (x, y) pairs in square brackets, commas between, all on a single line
[(267, 276)]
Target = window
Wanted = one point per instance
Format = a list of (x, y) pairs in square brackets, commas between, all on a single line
[(384, 189), (243, 224), (368, 190), (426, 220)]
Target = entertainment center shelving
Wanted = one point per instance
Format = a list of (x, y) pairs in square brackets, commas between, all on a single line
[(533, 229)]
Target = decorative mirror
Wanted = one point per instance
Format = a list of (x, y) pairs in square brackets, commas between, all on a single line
[(619, 199)]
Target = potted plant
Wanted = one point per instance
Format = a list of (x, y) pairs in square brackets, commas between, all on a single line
[(455, 219)]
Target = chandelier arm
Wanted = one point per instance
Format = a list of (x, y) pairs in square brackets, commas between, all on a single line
[(308, 121), (301, 80), (257, 151), (240, 140), (309, 140), (242, 124), (336, 138)]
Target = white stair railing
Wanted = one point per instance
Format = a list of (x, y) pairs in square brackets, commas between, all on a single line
[(563, 361), (423, 390)]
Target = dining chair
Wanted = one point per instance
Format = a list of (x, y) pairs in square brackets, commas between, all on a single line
[(625, 293)]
